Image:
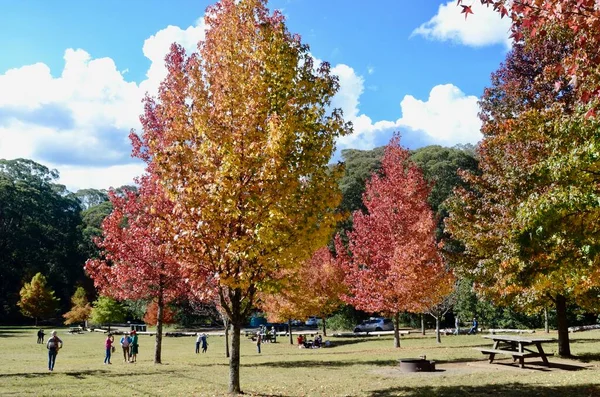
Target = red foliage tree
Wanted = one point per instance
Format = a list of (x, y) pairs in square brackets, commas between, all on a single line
[(392, 254), (581, 19), (137, 259)]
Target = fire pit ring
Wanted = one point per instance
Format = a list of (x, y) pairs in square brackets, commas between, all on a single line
[(416, 365)]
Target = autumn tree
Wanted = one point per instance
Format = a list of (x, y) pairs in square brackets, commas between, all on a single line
[(80, 308), (581, 19), (37, 299), (106, 310), (240, 136), (323, 284), (529, 215), (392, 255), (284, 304), (314, 289), (151, 314), (138, 261)]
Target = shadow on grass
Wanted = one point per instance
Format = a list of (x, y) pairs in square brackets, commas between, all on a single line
[(329, 364), (583, 341), (587, 357), (74, 374), (509, 390), (345, 342), (7, 333)]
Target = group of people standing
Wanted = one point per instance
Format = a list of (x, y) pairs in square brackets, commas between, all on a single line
[(129, 344)]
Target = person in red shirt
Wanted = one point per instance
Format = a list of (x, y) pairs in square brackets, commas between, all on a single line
[(108, 344)]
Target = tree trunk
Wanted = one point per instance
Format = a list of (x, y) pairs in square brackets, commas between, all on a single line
[(422, 324), (546, 324), (437, 329), (290, 331), (159, 327), (234, 361), (564, 349), (324, 330), (226, 323), (396, 330)]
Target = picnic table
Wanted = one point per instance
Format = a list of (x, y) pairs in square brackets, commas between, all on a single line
[(75, 330), (519, 347)]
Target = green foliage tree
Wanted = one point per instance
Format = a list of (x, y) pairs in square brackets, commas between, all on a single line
[(80, 308), (106, 311), (529, 219), (39, 233), (358, 167), (37, 299), (91, 197)]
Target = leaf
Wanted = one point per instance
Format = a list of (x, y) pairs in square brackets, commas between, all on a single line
[(466, 10)]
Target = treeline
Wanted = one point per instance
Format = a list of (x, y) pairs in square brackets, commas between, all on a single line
[(44, 229)]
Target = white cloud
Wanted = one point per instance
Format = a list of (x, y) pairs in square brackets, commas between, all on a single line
[(484, 27), (76, 178), (448, 116), (79, 122), (157, 46)]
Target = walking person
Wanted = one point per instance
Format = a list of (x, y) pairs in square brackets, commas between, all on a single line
[(53, 345), (108, 344), (473, 329), (40, 335), (134, 347), (204, 343), (456, 326), (125, 342), (198, 341), (258, 341)]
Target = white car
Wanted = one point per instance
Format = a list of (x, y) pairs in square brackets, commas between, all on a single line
[(311, 321), (375, 324)]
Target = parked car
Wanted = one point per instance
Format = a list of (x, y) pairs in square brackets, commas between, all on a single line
[(311, 321), (375, 324), (297, 322)]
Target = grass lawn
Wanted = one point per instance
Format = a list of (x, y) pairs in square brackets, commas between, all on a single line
[(351, 367)]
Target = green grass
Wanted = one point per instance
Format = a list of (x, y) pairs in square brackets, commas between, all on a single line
[(352, 367)]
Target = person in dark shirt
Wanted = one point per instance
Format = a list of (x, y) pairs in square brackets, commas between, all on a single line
[(473, 329)]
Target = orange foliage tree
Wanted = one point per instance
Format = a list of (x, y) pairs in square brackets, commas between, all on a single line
[(151, 315), (240, 137), (315, 289)]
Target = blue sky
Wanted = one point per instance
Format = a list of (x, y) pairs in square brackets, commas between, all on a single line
[(72, 73)]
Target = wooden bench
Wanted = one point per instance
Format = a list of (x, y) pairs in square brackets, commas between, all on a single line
[(516, 347), (514, 353)]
